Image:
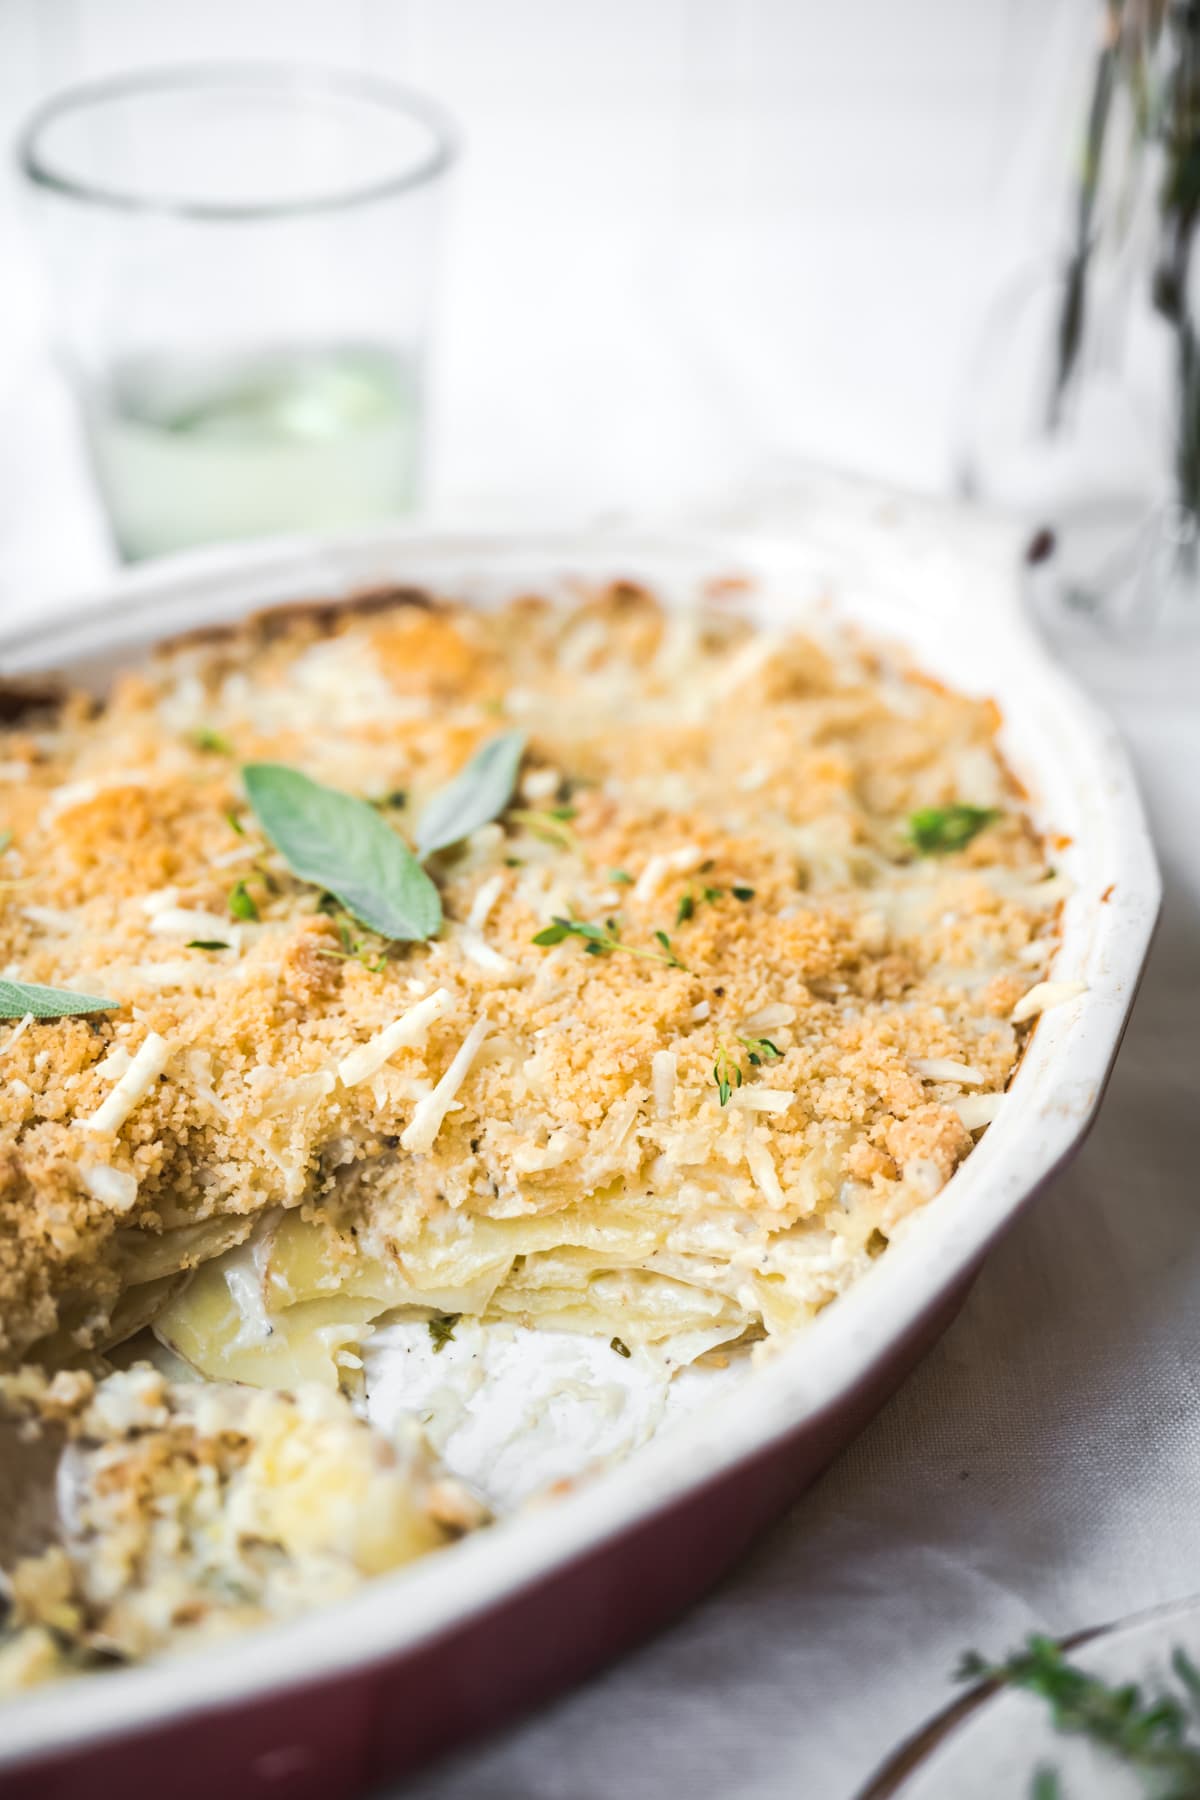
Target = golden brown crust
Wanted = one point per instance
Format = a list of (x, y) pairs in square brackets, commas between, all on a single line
[(703, 760), (20, 699), (324, 615)]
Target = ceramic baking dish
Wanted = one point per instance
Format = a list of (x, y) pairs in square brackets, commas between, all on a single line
[(465, 1640)]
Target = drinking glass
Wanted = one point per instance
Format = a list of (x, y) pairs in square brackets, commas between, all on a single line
[(241, 263)]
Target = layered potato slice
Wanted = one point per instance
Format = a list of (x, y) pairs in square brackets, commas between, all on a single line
[(722, 995)]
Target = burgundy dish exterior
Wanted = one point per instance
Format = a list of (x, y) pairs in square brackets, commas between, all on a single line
[(465, 1641)]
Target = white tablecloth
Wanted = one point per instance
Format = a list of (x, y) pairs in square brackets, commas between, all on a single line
[(1040, 1470)]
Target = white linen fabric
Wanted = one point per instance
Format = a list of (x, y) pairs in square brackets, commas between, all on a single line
[(1040, 1470)]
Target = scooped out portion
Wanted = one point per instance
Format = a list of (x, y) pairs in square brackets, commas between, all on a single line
[(189, 1511)]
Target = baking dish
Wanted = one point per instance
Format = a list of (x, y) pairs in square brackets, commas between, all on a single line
[(464, 1641)]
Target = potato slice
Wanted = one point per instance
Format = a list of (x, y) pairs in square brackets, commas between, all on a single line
[(225, 1341)]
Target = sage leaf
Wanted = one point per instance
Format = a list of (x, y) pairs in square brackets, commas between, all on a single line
[(20, 997), (478, 794), (343, 845)]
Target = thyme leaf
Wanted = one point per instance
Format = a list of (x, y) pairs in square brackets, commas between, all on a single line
[(547, 826), (938, 830), (210, 741), (241, 903), (441, 1330), (1154, 1734), (727, 1074), (602, 940)]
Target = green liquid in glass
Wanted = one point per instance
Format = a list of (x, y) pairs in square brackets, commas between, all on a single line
[(280, 442)]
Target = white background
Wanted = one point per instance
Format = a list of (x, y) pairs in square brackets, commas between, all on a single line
[(691, 239), (686, 236)]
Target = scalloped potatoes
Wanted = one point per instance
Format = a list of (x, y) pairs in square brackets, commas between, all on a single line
[(702, 1028)]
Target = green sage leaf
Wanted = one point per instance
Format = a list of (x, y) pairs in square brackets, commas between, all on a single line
[(20, 997), (346, 847), (478, 794)]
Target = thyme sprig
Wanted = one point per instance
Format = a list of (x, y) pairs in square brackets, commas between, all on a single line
[(353, 949), (727, 1074), (1154, 1734), (551, 826), (727, 1070), (603, 940)]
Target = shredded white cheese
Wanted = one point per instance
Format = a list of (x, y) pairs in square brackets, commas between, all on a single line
[(943, 1068), (770, 1018), (428, 1114), (663, 1066), (50, 918), (114, 1188), (762, 1099), (762, 1167), (674, 862), (478, 951), (540, 784), (191, 922), (484, 901), (560, 1147), (174, 972), (22, 1025), (1045, 994), (131, 1087), (978, 1110), (409, 1031)]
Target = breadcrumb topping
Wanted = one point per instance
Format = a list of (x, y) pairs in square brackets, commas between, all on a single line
[(739, 796)]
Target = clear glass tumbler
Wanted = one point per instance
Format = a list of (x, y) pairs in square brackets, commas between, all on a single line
[(242, 264)]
